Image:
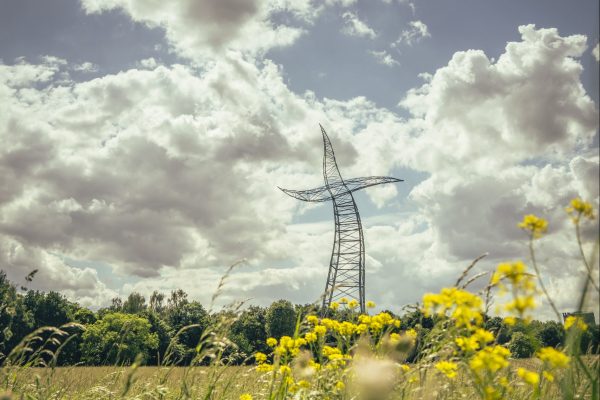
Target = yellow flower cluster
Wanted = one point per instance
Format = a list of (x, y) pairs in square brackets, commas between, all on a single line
[(552, 359), (287, 345), (490, 359), (578, 207), (575, 322), (522, 286), (447, 368), (464, 307), (349, 304), (246, 396), (479, 339), (529, 377), (535, 225)]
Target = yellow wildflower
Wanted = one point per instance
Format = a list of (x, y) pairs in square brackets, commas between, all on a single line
[(533, 224), (339, 385), (515, 272), (310, 337), (370, 304), (271, 342), (352, 304), (260, 357), (530, 377), (246, 396), (492, 359), (343, 300), (320, 330), (315, 365), (467, 344), (312, 319), (491, 393), (334, 305), (304, 384), (549, 377), (577, 322), (361, 328), (345, 328), (285, 370), (510, 321), (405, 367), (476, 341), (464, 307), (448, 368), (578, 208), (553, 358), (521, 304), (376, 326), (264, 367)]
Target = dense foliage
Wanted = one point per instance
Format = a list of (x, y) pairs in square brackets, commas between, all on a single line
[(117, 334)]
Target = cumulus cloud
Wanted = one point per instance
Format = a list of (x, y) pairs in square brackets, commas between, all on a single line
[(353, 26), (596, 52), (197, 29), (499, 142), (416, 31), (85, 67), (384, 58)]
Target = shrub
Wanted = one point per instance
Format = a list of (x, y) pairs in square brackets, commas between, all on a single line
[(521, 345)]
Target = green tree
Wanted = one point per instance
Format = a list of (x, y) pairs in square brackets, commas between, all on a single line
[(48, 309), (84, 316), (163, 333), (178, 298), (248, 331), (15, 320), (499, 328), (552, 334), (135, 304), (156, 302), (281, 319), (413, 318), (118, 338), (522, 345), (184, 315)]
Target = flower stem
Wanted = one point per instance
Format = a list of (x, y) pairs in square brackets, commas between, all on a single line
[(539, 276)]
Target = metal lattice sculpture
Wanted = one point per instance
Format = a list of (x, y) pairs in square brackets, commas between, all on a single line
[(346, 277)]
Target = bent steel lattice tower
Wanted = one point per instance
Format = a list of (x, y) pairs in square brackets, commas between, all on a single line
[(346, 275)]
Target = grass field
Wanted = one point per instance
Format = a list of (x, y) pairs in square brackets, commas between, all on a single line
[(183, 382), (142, 382)]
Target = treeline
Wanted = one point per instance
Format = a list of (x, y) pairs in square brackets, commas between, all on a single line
[(173, 325)]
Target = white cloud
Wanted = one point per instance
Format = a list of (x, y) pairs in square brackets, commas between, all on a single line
[(353, 26), (415, 33), (384, 58), (499, 142), (197, 29), (85, 67), (596, 52)]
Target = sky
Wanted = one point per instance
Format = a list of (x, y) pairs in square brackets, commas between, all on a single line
[(143, 142)]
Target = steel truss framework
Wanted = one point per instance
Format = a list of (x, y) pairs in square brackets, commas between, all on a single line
[(346, 277)]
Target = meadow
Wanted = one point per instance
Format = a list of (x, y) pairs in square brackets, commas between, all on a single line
[(453, 350), (173, 382)]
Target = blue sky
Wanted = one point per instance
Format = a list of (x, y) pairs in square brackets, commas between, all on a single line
[(146, 142)]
